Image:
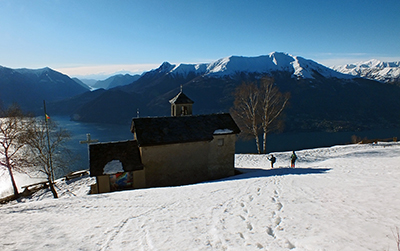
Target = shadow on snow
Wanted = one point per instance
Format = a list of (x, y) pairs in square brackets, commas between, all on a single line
[(247, 173)]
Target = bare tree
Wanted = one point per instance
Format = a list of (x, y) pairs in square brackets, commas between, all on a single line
[(272, 105), (246, 111), (47, 150), (13, 128), (256, 109)]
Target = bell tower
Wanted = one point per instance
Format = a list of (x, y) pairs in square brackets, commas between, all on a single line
[(181, 105)]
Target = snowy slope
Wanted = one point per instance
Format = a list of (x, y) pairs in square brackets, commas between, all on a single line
[(275, 61), (338, 198), (372, 69)]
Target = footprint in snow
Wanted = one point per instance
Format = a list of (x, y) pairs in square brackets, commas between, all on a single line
[(279, 206), (278, 221), (270, 232)]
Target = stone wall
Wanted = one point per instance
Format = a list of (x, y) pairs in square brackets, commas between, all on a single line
[(188, 163)]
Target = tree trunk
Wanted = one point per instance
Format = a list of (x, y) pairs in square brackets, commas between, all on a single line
[(265, 141), (52, 189), (14, 185), (255, 134), (257, 144), (13, 182)]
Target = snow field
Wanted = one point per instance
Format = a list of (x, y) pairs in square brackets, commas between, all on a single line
[(337, 198)]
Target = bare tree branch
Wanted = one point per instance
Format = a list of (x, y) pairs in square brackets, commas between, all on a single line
[(274, 102), (42, 151), (257, 109), (13, 127)]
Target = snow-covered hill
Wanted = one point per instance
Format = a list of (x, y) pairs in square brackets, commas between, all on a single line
[(337, 198), (372, 69), (275, 61)]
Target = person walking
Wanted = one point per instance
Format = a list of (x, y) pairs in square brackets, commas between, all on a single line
[(293, 159), (272, 159)]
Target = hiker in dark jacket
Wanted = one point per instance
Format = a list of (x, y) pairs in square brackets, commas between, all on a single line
[(273, 160), (293, 159)]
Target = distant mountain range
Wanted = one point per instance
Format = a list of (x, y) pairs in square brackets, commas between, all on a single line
[(322, 99), (373, 69), (29, 87), (111, 82)]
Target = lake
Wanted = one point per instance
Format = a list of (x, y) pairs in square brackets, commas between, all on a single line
[(276, 142), (101, 132)]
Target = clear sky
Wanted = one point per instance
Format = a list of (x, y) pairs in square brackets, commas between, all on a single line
[(83, 37)]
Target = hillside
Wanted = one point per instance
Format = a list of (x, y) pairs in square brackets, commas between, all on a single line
[(115, 81), (29, 87), (337, 198)]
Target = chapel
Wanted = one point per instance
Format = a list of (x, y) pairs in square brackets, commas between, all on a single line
[(168, 151)]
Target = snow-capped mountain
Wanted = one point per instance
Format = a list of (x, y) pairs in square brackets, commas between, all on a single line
[(322, 99), (372, 69), (275, 61)]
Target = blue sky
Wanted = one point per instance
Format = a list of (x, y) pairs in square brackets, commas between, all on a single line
[(85, 37)]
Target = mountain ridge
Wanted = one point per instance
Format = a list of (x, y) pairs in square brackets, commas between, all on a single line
[(264, 64), (115, 81), (29, 87), (372, 69), (322, 99)]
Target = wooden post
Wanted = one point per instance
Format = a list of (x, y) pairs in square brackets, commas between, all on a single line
[(88, 141), (50, 163)]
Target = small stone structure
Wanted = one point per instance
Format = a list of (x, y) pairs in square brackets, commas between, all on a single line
[(186, 149), (168, 151)]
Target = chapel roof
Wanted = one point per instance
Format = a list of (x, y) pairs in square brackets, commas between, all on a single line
[(127, 152), (170, 130)]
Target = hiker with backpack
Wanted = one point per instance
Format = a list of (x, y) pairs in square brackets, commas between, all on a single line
[(293, 159), (273, 160)]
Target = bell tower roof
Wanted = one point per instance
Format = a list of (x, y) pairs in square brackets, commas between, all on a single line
[(181, 98), (181, 105)]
